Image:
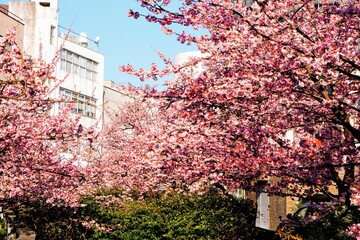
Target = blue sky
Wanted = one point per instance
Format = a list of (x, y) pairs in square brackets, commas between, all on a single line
[(123, 40)]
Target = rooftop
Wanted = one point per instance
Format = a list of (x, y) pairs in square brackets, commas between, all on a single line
[(79, 38)]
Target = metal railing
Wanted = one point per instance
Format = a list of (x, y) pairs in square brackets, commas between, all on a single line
[(10, 14), (74, 37)]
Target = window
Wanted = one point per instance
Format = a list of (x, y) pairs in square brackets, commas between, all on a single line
[(52, 34), (94, 76), (76, 64), (84, 105), (69, 56), (82, 62), (95, 66), (76, 59), (82, 72), (68, 66), (88, 74), (62, 64), (240, 193), (76, 69)]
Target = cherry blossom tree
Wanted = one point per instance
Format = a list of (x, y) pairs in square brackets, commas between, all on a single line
[(130, 144), (32, 142), (277, 97)]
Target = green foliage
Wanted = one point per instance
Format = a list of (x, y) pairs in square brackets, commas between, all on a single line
[(49, 222), (176, 216), (2, 229), (332, 225)]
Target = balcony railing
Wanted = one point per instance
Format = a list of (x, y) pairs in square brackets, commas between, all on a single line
[(78, 38)]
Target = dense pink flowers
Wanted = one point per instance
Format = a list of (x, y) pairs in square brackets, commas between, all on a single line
[(273, 96), (354, 231), (35, 161)]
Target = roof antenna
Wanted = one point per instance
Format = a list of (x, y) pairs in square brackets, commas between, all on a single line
[(96, 41)]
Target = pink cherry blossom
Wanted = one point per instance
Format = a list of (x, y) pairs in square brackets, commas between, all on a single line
[(270, 69), (33, 143)]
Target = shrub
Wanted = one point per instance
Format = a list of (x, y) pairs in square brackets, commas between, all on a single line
[(177, 216), (332, 225), (49, 222)]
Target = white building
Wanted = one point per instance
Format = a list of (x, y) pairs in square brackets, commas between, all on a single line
[(83, 71), (185, 57), (40, 19), (81, 67)]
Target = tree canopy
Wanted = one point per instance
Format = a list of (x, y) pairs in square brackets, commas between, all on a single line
[(34, 145), (276, 96)]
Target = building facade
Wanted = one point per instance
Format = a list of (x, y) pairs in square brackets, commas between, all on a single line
[(9, 20), (40, 19), (113, 101), (80, 69)]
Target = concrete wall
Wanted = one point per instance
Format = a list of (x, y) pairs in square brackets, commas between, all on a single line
[(113, 100), (38, 21), (9, 20), (277, 209)]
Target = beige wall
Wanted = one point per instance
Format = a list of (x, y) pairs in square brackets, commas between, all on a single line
[(278, 206), (113, 100), (8, 20), (277, 209)]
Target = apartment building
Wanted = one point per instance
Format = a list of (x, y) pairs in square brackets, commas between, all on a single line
[(40, 21), (82, 71), (80, 68)]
